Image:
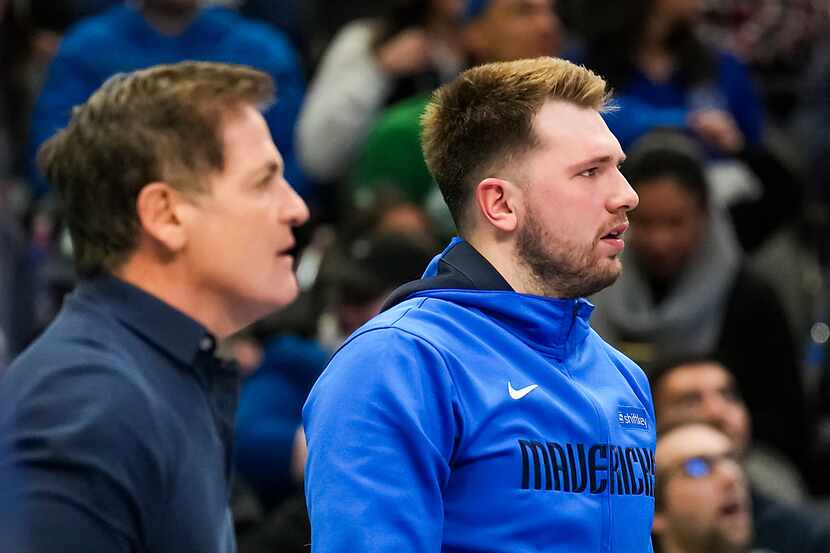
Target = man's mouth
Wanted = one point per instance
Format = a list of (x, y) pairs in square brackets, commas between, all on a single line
[(616, 232), (286, 251), (732, 508)]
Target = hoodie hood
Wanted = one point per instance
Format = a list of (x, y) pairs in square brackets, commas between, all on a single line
[(461, 275)]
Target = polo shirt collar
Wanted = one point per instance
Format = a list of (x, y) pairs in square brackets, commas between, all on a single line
[(160, 323)]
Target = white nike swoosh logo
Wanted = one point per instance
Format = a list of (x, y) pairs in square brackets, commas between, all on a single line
[(521, 392)]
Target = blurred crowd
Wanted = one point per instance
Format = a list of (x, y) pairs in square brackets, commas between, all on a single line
[(722, 106)]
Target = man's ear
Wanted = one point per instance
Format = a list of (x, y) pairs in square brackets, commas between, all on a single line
[(157, 214), (497, 200)]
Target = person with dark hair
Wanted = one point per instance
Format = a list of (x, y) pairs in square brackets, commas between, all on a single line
[(118, 419), (479, 411), (699, 389), (140, 34), (664, 76), (687, 288), (370, 64)]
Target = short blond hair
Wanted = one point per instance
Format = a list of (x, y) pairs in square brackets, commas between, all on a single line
[(156, 124), (483, 120)]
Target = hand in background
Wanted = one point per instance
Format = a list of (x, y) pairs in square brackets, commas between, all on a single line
[(406, 53), (717, 128)]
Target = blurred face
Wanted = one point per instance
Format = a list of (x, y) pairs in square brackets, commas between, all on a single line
[(704, 500), (448, 10), (514, 29), (668, 226), (240, 232), (680, 11), (405, 218), (703, 392), (575, 203)]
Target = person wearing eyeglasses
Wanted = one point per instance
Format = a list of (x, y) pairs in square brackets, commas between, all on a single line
[(702, 500), (700, 389)]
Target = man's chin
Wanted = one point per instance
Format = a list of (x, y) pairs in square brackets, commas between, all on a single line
[(601, 282), (613, 271)]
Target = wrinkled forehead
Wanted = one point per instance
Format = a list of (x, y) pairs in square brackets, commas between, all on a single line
[(693, 377)]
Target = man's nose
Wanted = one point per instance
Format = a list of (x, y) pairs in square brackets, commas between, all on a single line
[(296, 210), (624, 197)]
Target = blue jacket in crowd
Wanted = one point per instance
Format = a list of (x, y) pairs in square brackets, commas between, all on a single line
[(468, 417), (269, 415), (121, 40), (645, 105)]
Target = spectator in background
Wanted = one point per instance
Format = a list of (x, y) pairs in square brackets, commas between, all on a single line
[(493, 30), (507, 30), (131, 37), (269, 448), (663, 75), (774, 37), (369, 64), (686, 288), (814, 126), (699, 389), (118, 418), (702, 500)]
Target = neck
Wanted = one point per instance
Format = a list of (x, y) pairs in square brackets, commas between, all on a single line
[(170, 283), (500, 253), (169, 22)]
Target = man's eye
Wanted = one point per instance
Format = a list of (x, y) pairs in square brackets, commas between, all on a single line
[(689, 400), (589, 172)]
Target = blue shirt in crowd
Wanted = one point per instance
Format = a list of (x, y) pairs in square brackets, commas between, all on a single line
[(117, 424), (121, 40), (646, 105)]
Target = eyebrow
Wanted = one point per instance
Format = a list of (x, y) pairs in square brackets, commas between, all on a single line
[(599, 160), (269, 169)]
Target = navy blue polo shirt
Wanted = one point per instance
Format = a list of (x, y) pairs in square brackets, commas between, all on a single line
[(118, 426)]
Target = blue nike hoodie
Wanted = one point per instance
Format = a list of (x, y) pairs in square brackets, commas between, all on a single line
[(468, 417)]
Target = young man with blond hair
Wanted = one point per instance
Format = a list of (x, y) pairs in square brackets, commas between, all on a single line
[(479, 411), (118, 420)]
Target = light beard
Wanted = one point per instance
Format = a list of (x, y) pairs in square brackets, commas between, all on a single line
[(715, 541), (557, 268)]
